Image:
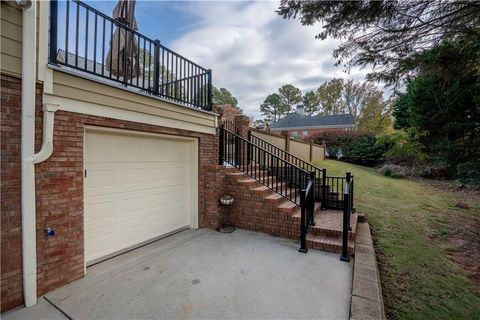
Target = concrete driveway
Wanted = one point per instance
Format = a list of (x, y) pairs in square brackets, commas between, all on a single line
[(204, 274)]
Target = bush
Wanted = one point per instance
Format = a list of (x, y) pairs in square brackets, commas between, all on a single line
[(393, 171), (468, 173), (403, 146), (433, 171), (351, 146)]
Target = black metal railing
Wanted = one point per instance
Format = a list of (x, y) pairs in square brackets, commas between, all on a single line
[(307, 205), (347, 212), (287, 156), (284, 178), (263, 166), (85, 39)]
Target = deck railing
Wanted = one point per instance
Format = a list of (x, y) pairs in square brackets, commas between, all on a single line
[(85, 39)]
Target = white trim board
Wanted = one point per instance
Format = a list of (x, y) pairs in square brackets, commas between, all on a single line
[(88, 108)]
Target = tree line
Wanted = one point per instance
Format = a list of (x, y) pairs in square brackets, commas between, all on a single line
[(338, 96), (429, 52)]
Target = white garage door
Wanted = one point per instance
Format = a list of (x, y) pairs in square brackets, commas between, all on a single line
[(137, 188)]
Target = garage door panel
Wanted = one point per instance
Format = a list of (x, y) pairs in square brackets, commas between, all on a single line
[(137, 188)]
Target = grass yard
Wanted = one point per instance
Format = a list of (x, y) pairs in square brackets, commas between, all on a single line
[(423, 244)]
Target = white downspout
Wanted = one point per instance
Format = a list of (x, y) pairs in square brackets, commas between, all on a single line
[(47, 144), (29, 158)]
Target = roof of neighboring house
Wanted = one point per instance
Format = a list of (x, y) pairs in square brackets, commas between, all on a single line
[(299, 121)]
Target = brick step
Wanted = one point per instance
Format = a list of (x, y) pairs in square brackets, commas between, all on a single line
[(275, 198), (287, 207), (329, 223), (328, 244)]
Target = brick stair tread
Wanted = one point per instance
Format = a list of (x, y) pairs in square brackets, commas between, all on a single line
[(328, 244), (248, 180), (287, 206), (260, 188), (239, 173), (298, 212), (276, 196), (330, 223)]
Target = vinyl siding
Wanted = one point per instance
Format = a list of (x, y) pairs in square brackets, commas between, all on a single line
[(73, 87), (10, 38)]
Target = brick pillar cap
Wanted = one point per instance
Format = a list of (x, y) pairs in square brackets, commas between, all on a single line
[(242, 118)]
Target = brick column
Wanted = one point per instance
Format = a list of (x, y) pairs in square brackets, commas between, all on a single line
[(286, 135), (242, 124)]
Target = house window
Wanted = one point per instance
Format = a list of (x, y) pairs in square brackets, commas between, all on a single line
[(294, 134), (305, 133)]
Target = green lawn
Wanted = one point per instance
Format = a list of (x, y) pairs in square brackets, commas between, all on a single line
[(411, 226)]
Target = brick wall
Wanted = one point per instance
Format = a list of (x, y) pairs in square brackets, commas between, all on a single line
[(251, 211), (309, 131), (11, 236), (59, 193)]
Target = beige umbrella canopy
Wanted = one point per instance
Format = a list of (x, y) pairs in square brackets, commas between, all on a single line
[(122, 58)]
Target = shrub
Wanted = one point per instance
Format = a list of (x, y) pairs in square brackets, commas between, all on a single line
[(403, 146), (433, 171), (468, 173), (351, 146), (393, 171)]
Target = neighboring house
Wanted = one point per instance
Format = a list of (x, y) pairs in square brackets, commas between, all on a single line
[(299, 125)]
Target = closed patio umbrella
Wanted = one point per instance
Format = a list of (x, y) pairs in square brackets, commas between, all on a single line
[(122, 58)]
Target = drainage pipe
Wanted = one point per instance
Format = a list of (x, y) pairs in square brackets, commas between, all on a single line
[(29, 256), (29, 158)]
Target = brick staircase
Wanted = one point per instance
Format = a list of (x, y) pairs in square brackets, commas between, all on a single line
[(258, 208)]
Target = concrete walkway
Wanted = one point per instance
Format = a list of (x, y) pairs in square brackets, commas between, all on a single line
[(205, 275)]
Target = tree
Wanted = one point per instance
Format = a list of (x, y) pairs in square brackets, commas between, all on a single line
[(290, 96), (310, 103), (376, 115), (387, 35), (330, 97), (273, 108), (356, 95), (223, 96), (444, 100)]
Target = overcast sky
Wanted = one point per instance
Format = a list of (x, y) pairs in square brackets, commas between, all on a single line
[(251, 50)]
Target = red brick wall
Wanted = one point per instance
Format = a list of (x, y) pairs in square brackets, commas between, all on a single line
[(11, 237), (250, 211), (59, 193), (310, 131)]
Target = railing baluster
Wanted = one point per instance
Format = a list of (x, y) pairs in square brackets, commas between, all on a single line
[(86, 39), (67, 31), (53, 31), (95, 44), (76, 34), (156, 72)]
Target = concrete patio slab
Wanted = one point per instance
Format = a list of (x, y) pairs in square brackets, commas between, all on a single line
[(209, 275), (43, 310)]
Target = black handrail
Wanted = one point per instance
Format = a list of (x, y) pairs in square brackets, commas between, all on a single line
[(347, 211), (263, 166), (279, 175), (319, 172), (307, 218), (148, 65)]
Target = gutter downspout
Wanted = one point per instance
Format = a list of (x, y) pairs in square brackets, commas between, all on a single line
[(29, 158)]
